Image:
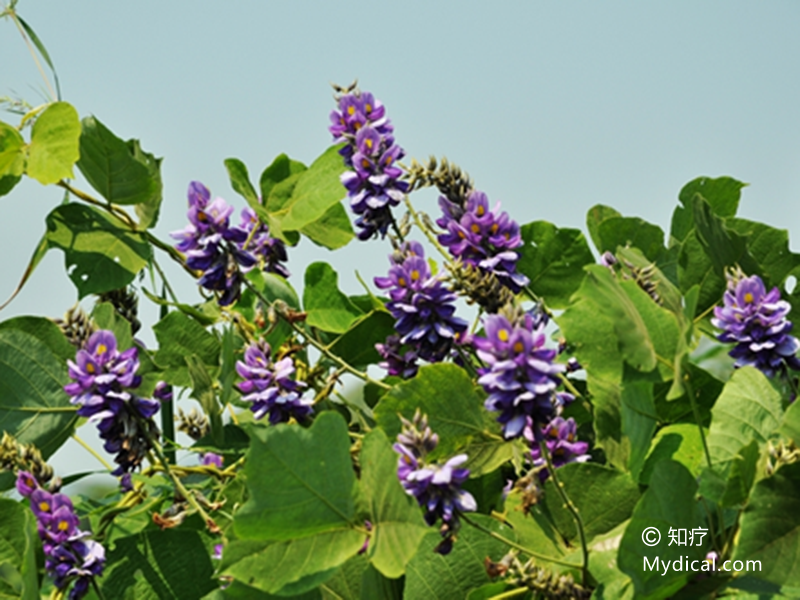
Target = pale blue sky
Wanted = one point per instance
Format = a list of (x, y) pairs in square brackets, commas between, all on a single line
[(550, 106)]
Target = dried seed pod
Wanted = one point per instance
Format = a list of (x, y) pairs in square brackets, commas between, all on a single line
[(77, 326), (126, 304), (481, 287), (195, 424)]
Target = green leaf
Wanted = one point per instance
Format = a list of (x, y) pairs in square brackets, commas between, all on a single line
[(99, 255), (346, 583), (534, 530), (435, 577), (106, 317), (12, 155), (317, 190), (240, 180), (396, 518), (605, 498), (596, 215), (453, 404), (18, 545), (54, 146), (327, 307), (669, 502), (281, 168), (46, 332), (300, 563), (748, 409), (790, 425), (180, 336), (742, 475), (33, 404), (632, 232), (639, 420), (155, 565), (332, 230), (312, 470), (681, 443), (724, 247), (695, 268), (118, 170), (8, 183), (770, 527), (721, 193), (553, 260), (357, 345), (272, 287)]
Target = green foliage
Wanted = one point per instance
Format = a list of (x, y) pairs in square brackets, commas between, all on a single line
[(12, 157), (121, 171), (18, 544), (770, 530), (54, 146), (327, 307), (748, 409), (312, 470), (180, 336), (158, 565), (431, 575), (99, 254), (396, 519), (553, 260), (357, 344), (33, 405)]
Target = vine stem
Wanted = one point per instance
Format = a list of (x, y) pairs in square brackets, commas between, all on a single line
[(519, 547), (92, 451), (570, 507), (317, 344), (520, 591), (179, 487), (690, 393), (12, 13), (431, 238)]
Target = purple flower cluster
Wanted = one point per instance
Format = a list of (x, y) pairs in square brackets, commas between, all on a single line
[(561, 437), (69, 556), (483, 238), (224, 252), (520, 377), (103, 379), (755, 320), (435, 486), (373, 184), (269, 386), (424, 309)]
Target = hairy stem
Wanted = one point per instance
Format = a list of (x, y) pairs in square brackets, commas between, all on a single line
[(91, 451), (570, 507)]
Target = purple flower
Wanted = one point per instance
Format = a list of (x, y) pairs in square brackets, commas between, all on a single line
[(220, 251), (26, 484), (373, 184), (395, 361), (269, 386), (217, 552), (102, 377), (520, 377), (423, 307), (561, 438), (435, 486), (163, 392), (483, 238), (270, 252), (756, 322), (209, 458), (69, 557)]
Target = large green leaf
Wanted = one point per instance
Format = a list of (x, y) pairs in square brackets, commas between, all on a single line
[(45, 331), (790, 425), (453, 404), (435, 577), (300, 563), (605, 498), (327, 307), (695, 268), (634, 232), (553, 260), (11, 151), (724, 247), (118, 170), (317, 190), (99, 254), (272, 287), (680, 442), (300, 481), (770, 527), (180, 336), (668, 503), (240, 180), (279, 170), (54, 146), (18, 544), (748, 409), (721, 193), (357, 345), (638, 413), (172, 564), (396, 518), (33, 404), (534, 530), (332, 230)]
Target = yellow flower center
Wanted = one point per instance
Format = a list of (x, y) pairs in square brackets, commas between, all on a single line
[(493, 228), (44, 506), (102, 349), (365, 163), (414, 275), (480, 210), (89, 368), (518, 347), (63, 525), (502, 335), (748, 297), (368, 142), (368, 108), (475, 228), (401, 281), (351, 110)]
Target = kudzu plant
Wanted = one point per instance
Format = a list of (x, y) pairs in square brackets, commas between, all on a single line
[(530, 421)]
